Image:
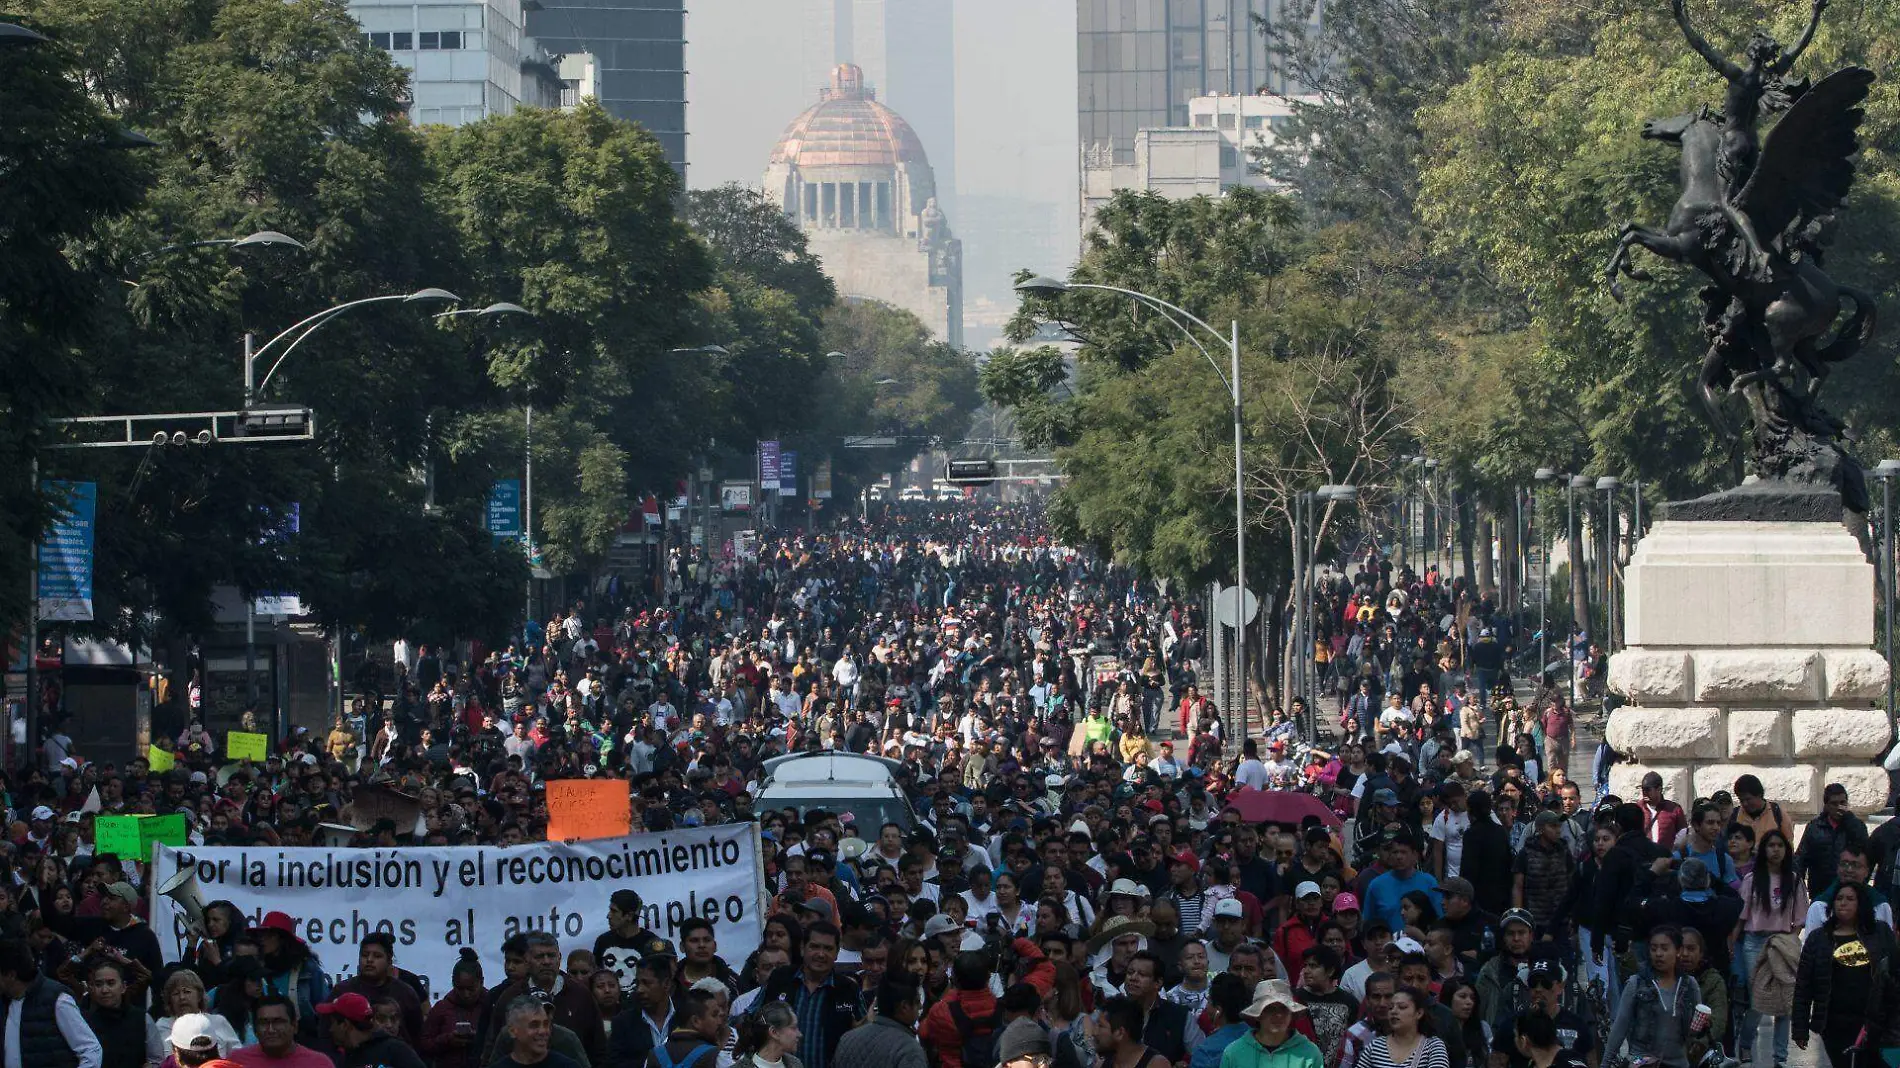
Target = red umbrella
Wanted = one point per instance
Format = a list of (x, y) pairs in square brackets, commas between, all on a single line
[(1280, 806)]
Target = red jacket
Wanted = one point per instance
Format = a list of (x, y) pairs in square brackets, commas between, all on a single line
[(1291, 940), (940, 1030), (1662, 823)]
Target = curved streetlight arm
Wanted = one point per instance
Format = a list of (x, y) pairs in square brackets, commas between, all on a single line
[(303, 330), (1169, 311)]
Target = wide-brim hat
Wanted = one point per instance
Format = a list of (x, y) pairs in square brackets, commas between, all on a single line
[(1116, 927), (1270, 992)]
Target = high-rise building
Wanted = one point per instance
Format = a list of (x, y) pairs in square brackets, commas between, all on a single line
[(1139, 62), (906, 49), (639, 50), (466, 61), (856, 178)]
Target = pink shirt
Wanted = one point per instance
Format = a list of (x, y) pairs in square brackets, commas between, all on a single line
[(300, 1057), (1792, 910)]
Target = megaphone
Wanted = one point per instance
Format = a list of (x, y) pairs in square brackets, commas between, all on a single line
[(182, 888), (335, 835)]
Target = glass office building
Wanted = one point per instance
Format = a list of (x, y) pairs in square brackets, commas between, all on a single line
[(639, 50), (1140, 61)]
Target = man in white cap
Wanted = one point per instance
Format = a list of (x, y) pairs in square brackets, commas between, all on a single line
[(1273, 1043), (39, 826), (1230, 932)]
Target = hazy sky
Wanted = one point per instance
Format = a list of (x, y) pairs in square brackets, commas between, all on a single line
[(1015, 100)]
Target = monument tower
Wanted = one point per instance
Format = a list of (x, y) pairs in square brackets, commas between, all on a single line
[(854, 176)]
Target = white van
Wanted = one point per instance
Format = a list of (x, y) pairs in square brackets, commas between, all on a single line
[(865, 786)]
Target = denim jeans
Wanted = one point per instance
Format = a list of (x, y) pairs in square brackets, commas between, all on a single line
[(1752, 943)]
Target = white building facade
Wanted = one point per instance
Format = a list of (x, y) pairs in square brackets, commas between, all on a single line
[(1215, 152)]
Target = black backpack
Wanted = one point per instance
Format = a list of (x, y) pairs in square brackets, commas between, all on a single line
[(979, 1040)]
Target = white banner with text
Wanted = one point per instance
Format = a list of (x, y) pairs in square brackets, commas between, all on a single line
[(435, 900)]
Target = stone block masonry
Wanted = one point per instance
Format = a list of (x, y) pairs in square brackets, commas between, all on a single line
[(1749, 654)]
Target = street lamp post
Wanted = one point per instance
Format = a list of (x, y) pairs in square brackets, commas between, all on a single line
[(1886, 472), (1049, 287), (1574, 557), (1608, 484), (290, 338), (11, 34)]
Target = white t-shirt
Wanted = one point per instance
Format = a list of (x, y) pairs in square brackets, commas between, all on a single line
[(1449, 828)]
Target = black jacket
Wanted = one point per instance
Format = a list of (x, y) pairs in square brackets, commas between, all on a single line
[(843, 1006), (1821, 845), (42, 1044), (1624, 876), (1814, 977)]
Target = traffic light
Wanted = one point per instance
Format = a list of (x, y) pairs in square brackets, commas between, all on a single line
[(971, 472)]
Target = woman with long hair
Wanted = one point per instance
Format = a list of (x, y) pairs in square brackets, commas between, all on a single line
[(1774, 901), (1461, 997), (1067, 1009), (768, 1038), (1841, 978), (1408, 1041)]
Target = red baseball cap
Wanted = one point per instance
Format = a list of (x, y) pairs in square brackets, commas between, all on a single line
[(1186, 856), (354, 1007), (281, 923)]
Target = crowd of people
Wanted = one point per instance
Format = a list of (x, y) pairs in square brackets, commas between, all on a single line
[(1098, 868)]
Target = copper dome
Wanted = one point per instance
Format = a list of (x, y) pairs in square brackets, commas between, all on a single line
[(848, 128)]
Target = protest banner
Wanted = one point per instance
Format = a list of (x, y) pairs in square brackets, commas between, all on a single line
[(435, 900), (160, 760), (243, 745), (588, 808)]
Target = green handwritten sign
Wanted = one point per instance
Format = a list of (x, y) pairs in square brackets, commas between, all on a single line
[(119, 836), (132, 837)]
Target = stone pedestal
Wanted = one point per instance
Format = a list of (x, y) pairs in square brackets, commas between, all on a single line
[(1749, 650)]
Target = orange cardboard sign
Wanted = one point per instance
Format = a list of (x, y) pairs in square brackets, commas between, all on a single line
[(588, 808)]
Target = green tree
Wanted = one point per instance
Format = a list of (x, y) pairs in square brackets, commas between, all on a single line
[(894, 381), (68, 176), (259, 108), (571, 215)]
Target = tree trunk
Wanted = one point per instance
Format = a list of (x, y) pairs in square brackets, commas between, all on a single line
[(1466, 505), (1511, 556), (1579, 579), (1487, 567)]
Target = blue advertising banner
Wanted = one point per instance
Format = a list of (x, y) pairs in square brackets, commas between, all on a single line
[(787, 473), (504, 508), (768, 465), (65, 588)]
